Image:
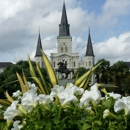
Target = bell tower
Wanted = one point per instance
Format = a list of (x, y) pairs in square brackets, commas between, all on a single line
[(89, 56), (64, 39), (38, 54)]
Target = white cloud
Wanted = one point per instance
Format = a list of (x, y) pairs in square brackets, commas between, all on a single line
[(46, 23), (20, 21), (114, 48), (80, 20), (9, 8), (111, 10)]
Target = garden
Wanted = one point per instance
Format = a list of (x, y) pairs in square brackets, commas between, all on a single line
[(76, 106)]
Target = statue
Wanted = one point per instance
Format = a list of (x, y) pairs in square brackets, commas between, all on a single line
[(63, 69)]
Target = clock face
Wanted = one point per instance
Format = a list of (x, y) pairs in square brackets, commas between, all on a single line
[(64, 58)]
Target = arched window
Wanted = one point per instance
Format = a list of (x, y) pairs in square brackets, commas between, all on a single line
[(62, 49), (74, 63), (89, 63), (66, 49)]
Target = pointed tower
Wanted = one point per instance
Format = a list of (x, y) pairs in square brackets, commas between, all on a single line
[(64, 39), (89, 56), (89, 49), (64, 47), (38, 55), (64, 26), (39, 47)]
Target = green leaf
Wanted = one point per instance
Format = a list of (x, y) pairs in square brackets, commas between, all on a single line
[(32, 72), (9, 97), (48, 126), (108, 103), (25, 81), (5, 102), (46, 88), (86, 126), (39, 84), (51, 74), (86, 81), (23, 88), (81, 78), (108, 87), (98, 122)]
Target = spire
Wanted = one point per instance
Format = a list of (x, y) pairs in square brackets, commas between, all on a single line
[(89, 49), (64, 26), (39, 46)]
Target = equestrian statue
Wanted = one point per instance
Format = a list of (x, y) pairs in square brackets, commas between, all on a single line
[(63, 69)]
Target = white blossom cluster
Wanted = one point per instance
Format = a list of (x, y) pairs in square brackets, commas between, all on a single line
[(65, 95)]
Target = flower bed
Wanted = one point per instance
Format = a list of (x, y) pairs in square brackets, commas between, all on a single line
[(68, 108), (71, 107)]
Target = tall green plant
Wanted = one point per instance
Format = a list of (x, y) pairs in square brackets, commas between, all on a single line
[(43, 86)]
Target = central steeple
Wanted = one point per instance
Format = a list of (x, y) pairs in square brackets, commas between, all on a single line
[(64, 26)]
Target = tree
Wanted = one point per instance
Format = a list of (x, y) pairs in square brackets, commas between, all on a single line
[(80, 71), (9, 75), (102, 72), (119, 73)]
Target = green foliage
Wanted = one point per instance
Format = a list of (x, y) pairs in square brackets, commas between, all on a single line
[(79, 72), (117, 74), (55, 115), (102, 72), (8, 78), (73, 117), (54, 118)]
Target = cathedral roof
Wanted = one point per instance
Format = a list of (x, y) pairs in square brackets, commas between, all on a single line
[(89, 49), (64, 26), (39, 47)]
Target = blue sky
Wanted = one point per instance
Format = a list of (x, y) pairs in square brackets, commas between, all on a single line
[(108, 21)]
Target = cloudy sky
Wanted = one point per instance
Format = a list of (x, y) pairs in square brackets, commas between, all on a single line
[(108, 20)]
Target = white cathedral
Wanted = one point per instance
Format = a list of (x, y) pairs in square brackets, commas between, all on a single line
[(64, 49)]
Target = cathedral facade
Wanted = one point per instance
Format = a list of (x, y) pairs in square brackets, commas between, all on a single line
[(64, 49)]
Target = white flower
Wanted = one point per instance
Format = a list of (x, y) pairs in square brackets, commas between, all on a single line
[(32, 87), (70, 88), (106, 113), (45, 99), (29, 99), (17, 93), (92, 95), (16, 126), (56, 90), (12, 111), (123, 104), (85, 99), (114, 95), (69, 94), (65, 98), (95, 93)]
